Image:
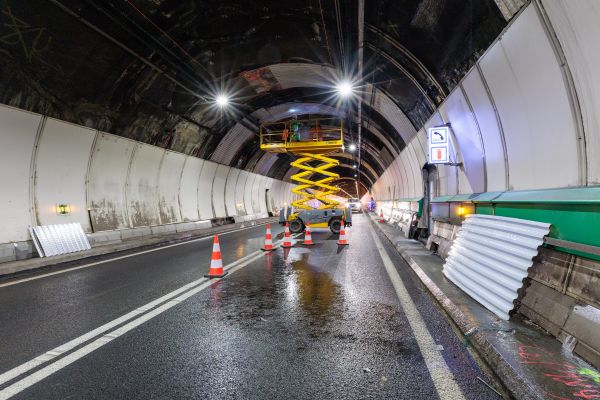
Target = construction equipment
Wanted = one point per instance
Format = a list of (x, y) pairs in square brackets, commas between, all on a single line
[(312, 140)]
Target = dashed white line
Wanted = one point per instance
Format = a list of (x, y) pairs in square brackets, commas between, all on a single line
[(442, 377), (142, 313), (62, 271)]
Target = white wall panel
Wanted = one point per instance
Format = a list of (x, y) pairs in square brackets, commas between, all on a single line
[(218, 191), (240, 192), (417, 165), (17, 137), (230, 185), (269, 205), (248, 193), (530, 94), (107, 179), (466, 135), (169, 179), (258, 195), (188, 191), (490, 131), (262, 194), (399, 176), (420, 146), (142, 184), (576, 25), (61, 167), (205, 184)]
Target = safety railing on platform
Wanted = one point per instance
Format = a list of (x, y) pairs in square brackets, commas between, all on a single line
[(320, 135)]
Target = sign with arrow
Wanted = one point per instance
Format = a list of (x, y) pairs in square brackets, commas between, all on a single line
[(439, 145)]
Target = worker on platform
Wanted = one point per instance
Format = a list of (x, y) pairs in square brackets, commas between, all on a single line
[(296, 126), (286, 134)]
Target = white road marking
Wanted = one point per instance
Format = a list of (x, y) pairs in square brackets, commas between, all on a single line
[(166, 302), (442, 377), (62, 271)]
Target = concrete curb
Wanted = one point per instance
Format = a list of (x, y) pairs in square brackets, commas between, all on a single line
[(513, 382), (32, 265)]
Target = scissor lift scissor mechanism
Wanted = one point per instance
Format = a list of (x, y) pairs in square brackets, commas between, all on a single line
[(312, 140)]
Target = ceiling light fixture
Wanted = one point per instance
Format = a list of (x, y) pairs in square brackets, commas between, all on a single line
[(352, 147), (344, 88), (222, 100)]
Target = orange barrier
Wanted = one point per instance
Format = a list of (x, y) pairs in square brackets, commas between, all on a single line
[(268, 246), (343, 240), (307, 236), (216, 262), (287, 240)]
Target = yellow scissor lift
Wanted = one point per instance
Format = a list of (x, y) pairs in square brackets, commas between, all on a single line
[(312, 140)]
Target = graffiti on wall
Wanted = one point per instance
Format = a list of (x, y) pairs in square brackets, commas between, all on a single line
[(563, 380)]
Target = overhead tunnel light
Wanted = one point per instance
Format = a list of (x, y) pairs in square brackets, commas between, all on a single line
[(222, 100), (352, 147), (344, 88)]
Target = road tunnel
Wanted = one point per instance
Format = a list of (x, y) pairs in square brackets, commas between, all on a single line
[(462, 140)]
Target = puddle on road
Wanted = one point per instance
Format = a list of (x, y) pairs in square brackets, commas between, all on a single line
[(317, 294)]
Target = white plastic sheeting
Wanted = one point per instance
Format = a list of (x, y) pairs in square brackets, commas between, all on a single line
[(490, 257)]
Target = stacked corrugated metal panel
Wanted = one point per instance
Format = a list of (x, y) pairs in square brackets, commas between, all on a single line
[(490, 257), (52, 240)]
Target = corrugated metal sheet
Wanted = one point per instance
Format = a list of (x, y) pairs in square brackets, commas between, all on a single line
[(52, 240), (231, 144), (490, 257)]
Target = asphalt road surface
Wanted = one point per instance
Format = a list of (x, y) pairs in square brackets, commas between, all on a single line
[(320, 322)]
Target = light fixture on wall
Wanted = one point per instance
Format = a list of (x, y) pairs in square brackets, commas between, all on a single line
[(63, 209)]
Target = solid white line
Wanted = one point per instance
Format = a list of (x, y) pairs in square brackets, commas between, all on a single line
[(167, 301), (442, 377), (62, 271)]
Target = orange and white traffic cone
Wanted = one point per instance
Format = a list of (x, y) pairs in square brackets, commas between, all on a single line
[(343, 240), (307, 236), (268, 246), (381, 219), (287, 240), (216, 262)]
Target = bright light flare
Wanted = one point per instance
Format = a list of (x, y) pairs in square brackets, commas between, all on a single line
[(352, 147), (222, 100), (344, 88)]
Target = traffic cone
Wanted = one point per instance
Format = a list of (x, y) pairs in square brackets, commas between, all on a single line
[(216, 263), (381, 219), (307, 236), (268, 246), (343, 240), (287, 240)]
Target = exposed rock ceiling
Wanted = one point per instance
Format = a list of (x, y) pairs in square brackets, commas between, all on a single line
[(149, 69)]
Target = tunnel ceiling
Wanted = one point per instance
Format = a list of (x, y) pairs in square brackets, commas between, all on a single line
[(149, 69)]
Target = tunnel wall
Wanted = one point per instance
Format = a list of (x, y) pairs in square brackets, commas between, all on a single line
[(527, 131), (524, 117), (113, 183)]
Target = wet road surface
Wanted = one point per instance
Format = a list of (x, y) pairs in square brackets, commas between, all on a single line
[(308, 322)]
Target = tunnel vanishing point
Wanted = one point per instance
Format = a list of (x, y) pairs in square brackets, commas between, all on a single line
[(310, 199)]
